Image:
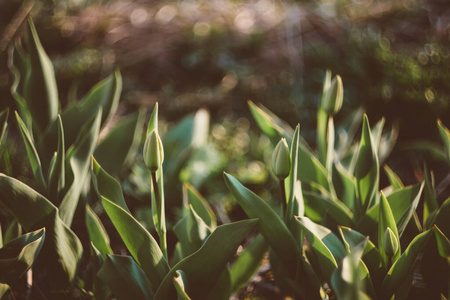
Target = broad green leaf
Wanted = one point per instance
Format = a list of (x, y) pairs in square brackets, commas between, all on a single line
[(3, 118), (107, 186), (56, 177), (404, 266), (191, 232), (140, 243), (445, 136), (370, 256), (366, 171), (310, 170), (104, 94), (62, 250), (200, 205), (327, 248), (269, 123), (179, 281), (33, 155), (344, 184), (97, 232), (4, 290), (19, 254), (204, 267), (41, 92), (19, 65), (348, 280), (271, 226), (413, 194), (125, 278), (121, 143), (248, 262), (14, 230), (393, 178), (77, 167), (317, 205), (386, 220)]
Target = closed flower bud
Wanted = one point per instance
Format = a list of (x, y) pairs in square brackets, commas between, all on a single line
[(333, 97), (153, 151), (281, 161), (390, 243)]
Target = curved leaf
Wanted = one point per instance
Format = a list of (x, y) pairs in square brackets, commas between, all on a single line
[(125, 278), (317, 205), (393, 178), (140, 243), (62, 250), (179, 280), (78, 159), (57, 177), (121, 143), (200, 205), (271, 226), (3, 118), (41, 92), (97, 233), (386, 220), (366, 171), (203, 268)]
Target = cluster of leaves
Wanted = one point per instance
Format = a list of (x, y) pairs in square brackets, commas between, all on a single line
[(361, 242)]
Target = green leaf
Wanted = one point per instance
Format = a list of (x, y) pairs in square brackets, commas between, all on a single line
[(121, 143), (330, 145), (97, 232), (248, 262), (310, 170), (200, 205), (322, 121), (19, 65), (386, 220), (328, 249), (403, 267), (430, 204), (366, 171), (409, 195), (370, 256), (56, 178), (179, 281), (105, 94), (14, 230), (271, 125), (344, 184), (4, 290), (295, 205), (77, 165), (41, 92), (348, 280), (271, 226), (3, 118), (19, 254), (191, 232), (443, 217), (393, 178), (125, 278), (203, 268), (62, 250), (99, 288), (445, 136), (33, 155), (317, 205)]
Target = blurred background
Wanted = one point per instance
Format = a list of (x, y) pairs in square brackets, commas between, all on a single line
[(393, 56)]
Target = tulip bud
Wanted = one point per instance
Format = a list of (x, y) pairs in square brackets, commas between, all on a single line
[(153, 151), (390, 243), (333, 96), (281, 162)]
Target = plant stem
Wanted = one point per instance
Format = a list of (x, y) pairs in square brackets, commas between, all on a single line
[(159, 229), (283, 198)]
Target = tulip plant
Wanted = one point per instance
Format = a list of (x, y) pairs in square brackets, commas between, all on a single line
[(336, 235)]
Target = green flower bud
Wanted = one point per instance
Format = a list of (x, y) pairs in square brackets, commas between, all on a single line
[(281, 161), (390, 243), (153, 151), (333, 96)]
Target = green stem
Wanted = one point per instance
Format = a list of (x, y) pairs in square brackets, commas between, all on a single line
[(283, 198), (161, 233)]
